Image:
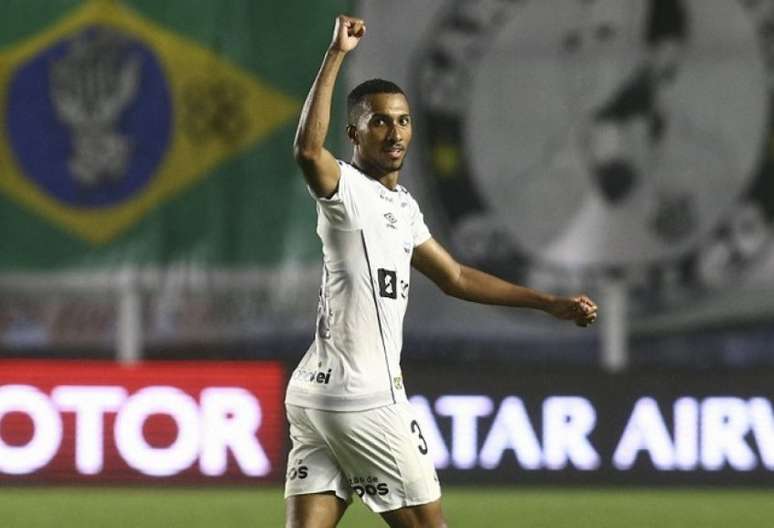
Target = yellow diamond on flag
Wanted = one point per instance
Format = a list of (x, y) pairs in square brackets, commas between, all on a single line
[(108, 114)]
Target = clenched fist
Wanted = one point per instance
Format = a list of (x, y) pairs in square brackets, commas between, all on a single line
[(580, 309), (347, 33)]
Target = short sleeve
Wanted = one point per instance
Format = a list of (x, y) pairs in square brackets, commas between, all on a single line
[(340, 210), (419, 231)]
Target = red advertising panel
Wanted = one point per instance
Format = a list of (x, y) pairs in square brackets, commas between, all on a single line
[(184, 422)]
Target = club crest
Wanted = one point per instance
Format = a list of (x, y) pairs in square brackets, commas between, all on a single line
[(102, 107)]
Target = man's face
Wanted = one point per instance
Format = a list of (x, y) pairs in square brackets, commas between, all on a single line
[(383, 131)]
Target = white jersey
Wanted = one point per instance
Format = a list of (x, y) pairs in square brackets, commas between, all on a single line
[(368, 235)]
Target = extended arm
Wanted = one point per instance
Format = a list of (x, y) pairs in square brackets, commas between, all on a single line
[(318, 165), (470, 284)]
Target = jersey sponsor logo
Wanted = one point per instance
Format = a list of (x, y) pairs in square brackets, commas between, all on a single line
[(392, 220), (298, 471), (388, 286), (313, 376), (643, 182), (371, 489), (369, 486)]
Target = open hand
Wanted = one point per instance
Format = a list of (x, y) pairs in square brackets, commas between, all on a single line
[(347, 33), (580, 309)]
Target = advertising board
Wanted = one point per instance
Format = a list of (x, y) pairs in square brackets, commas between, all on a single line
[(186, 422), (485, 424)]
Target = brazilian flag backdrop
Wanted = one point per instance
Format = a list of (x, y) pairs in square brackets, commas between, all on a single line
[(152, 132)]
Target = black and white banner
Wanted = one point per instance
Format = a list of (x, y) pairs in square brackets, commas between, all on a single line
[(563, 143)]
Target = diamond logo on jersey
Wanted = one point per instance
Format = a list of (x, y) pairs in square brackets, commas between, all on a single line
[(391, 220), (108, 114)]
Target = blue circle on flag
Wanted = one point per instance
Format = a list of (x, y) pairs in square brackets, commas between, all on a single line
[(89, 119)]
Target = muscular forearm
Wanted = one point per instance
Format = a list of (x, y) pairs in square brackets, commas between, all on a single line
[(477, 286), (471, 284), (316, 113)]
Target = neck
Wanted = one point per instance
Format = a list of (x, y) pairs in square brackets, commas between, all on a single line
[(388, 179)]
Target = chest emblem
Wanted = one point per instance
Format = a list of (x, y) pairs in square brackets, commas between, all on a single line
[(392, 220)]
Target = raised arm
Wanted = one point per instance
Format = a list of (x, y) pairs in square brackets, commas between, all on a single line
[(318, 164), (470, 284)]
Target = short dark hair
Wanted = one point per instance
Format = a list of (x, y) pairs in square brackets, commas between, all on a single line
[(366, 88)]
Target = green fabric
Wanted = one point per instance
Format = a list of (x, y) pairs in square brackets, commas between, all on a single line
[(252, 208)]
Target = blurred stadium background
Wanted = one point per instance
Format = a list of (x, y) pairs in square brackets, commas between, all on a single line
[(159, 267)]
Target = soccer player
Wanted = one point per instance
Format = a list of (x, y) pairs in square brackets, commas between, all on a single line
[(351, 426)]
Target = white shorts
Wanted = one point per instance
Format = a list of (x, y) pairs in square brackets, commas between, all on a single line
[(380, 454)]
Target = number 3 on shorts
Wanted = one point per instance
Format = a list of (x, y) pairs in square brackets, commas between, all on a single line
[(415, 429)]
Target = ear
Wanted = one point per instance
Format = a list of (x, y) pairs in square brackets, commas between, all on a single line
[(352, 134)]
